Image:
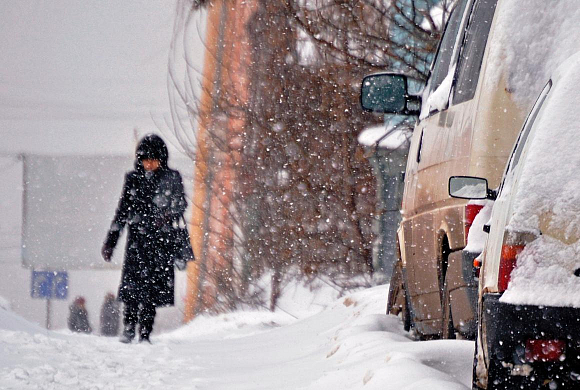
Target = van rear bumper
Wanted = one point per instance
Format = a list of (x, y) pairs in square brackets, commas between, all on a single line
[(508, 327)]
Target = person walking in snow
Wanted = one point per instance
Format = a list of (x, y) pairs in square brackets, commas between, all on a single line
[(78, 317), (151, 204), (110, 316)]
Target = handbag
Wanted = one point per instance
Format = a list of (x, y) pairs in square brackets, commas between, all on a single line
[(181, 251)]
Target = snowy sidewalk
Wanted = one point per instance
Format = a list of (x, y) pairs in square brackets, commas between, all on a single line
[(350, 345)]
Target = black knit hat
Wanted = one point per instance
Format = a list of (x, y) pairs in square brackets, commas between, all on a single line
[(152, 147)]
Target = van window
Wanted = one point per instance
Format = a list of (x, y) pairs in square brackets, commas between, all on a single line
[(472, 52), (443, 59)]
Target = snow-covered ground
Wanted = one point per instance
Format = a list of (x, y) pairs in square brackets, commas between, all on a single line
[(350, 344)]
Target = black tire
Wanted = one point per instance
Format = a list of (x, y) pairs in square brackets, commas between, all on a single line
[(406, 314), (447, 328)]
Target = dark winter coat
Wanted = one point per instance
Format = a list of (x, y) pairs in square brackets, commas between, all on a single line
[(110, 316), (78, 318), (151, 204)]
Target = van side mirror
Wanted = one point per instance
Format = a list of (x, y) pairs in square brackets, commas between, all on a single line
[(388, 93), (468, 187)]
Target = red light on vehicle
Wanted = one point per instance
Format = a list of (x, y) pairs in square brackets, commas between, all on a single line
[(477, 266), (544, 350), (471, 211), (507, 264)]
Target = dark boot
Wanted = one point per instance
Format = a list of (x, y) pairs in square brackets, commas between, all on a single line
[(128, 334), (130, 321), (144, 338), (146, 320)]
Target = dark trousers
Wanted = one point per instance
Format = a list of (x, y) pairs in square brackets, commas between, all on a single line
[(142, 313)]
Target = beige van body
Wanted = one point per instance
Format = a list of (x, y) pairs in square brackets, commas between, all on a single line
[(472, 138)]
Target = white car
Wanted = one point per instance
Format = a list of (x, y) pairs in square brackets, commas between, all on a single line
[(529, 284)]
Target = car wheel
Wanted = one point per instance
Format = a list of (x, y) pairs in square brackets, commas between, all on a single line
[(406, 314), (447, 328)]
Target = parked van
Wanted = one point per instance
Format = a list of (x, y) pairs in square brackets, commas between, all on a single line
[(468, 119)]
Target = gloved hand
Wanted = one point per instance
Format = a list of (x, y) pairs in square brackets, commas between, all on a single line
[(180, 264), (106, 252)]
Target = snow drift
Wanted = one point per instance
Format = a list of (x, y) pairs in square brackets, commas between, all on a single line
[(349, 345)]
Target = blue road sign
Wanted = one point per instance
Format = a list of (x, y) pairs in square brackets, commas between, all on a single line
[(49, 285)]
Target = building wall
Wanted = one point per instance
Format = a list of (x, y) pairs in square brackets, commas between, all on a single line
[(224, 90)]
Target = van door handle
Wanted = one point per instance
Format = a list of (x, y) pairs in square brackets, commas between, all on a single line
[(419, 148), (486, 228)]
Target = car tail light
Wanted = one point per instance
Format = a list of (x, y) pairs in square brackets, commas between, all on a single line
[(471, 211), (545, 350), (477, 265), (513, 244), (507, 263)]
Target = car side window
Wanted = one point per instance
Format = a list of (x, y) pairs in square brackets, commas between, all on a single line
[(442, 61), (473, 49)]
